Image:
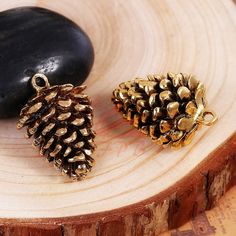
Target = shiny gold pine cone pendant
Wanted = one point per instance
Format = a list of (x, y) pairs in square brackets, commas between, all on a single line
[(60, 120), (169, 108)]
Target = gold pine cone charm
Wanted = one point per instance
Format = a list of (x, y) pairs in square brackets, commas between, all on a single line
[(169, 108), (60, 120)]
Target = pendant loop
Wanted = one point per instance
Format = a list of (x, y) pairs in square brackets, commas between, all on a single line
[(212, 118), (40, 81)]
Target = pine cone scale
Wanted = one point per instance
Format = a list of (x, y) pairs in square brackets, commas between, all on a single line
[(64, 116)]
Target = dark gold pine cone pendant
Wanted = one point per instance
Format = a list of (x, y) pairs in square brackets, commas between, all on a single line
[(60, 120), (169, 108)]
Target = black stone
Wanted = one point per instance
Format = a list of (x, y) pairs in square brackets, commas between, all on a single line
[(36, 40)]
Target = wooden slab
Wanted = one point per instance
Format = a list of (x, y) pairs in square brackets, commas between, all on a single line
[(136, 187), (218, 221)]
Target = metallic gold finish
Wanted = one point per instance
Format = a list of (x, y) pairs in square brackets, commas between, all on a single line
[(152, 131), (77, 90), (56, 150), (152, 99), (81, 169), (91, 143), (48, 115), (208, 122), (72, 138), (136, 96), (78, 157), (156, 113), (165, 126), (64, 116), (144, 130), (48, 128), (141, 104), (183, 92), (189, 136), (35, 83), (79, 144), (192, 83), (90, 118), (126, 103), (123, 94), (58, 163), (165, 84), (154, 77), (88, 152), (64, 171), (177, 80), (37, 141), (162, 140), (176, 135), (67, 87), (35, 108), (136, 120), (50, 96), (172, 109), (67, 152), (191, 108), (61, 132), (150, 87), (60, 120), (78, 95), (22, 121), (145, 115), (129, 114), (78, 121), (169, 108), (49, 143), (165, 96), (81, 107), (185, 124), (84, 132), (65, 103), (32, 130)]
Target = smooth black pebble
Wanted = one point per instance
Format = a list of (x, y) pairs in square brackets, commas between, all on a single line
[(36, 40)]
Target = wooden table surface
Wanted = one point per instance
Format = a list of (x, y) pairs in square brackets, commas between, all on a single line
[(136, 187)]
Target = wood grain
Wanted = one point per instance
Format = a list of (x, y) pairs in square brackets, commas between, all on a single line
[(136, 187)]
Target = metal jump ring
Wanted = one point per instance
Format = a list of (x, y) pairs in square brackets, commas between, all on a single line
[(211, 121), (35, 85)]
